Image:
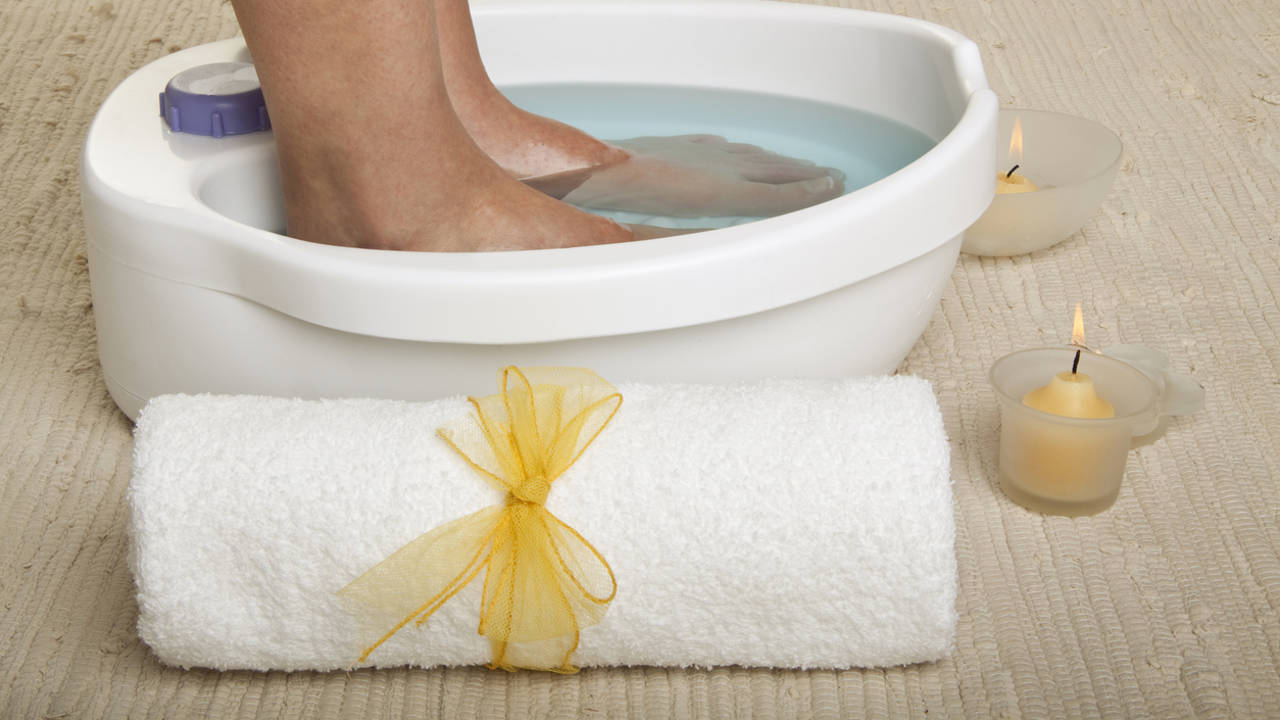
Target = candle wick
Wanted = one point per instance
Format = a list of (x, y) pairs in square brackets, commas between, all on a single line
[(1010, 173), (1075, 363)]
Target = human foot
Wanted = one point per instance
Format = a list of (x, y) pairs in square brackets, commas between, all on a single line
[(486, 213), (704, 175)]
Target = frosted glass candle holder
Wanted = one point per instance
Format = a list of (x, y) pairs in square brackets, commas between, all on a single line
[(1068, 466), (1072, 160)]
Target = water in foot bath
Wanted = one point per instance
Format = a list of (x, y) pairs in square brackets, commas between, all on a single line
[(862, 146)]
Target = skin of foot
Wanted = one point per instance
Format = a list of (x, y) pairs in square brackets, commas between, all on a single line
[(705, 175)]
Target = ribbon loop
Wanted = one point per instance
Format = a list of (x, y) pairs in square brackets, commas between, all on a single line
[(543, 582)]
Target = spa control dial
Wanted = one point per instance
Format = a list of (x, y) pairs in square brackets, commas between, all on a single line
[(216, 99)]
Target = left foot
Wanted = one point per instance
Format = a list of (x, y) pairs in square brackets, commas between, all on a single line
[(705, 176)]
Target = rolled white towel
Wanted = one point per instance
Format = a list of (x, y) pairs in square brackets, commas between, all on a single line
[(789, 523)]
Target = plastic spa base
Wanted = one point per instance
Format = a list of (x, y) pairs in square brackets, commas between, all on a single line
[(195, 291)]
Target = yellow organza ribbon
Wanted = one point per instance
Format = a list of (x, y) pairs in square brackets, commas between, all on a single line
[(543, 581)]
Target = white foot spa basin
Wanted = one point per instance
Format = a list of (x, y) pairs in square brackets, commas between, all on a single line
[(196, 289)]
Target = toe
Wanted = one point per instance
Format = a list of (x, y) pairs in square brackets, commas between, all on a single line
[(780, 173), (705, 138), (649, 232), (765, 199), (743, 149)]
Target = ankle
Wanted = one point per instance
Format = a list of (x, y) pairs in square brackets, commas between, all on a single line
[(387, 210), (529, 145)]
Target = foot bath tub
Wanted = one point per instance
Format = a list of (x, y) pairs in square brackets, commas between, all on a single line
[(196, 289)]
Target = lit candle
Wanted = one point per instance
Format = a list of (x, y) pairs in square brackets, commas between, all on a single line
[(1010, 182), (1071, 394), (1063, 444)]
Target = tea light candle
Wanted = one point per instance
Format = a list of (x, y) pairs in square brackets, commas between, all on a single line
[(1009, 183), (1064, 443), (1070, 394), (1070, 163)]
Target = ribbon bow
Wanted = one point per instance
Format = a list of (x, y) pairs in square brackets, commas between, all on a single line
[(543, 581)]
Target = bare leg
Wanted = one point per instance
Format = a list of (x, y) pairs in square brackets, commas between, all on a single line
[(527, 145), (372, 153), (688, 175)]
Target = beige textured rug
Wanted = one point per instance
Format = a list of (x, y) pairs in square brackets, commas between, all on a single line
[(1165, 606)]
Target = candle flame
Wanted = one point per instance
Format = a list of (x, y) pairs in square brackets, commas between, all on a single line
[(1015, 142), (1077, 328)]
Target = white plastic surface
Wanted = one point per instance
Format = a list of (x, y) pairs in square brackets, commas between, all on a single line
[(194, 292), (157, 336)]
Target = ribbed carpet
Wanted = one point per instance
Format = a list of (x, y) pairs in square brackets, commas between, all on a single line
[(1165, 606)]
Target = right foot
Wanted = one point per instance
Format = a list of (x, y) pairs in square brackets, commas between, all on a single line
[(489, 212), (456, 201)]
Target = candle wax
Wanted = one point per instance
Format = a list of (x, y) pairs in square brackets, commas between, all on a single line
[(1060, 469), (1070, 395), (1008, 184)]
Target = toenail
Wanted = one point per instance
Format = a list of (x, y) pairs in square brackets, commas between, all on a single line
[(818, 185)]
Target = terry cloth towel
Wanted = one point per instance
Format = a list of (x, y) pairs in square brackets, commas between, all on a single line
[(789, 523)]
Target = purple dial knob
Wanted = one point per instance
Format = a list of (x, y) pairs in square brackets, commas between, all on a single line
[(216, 99)]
